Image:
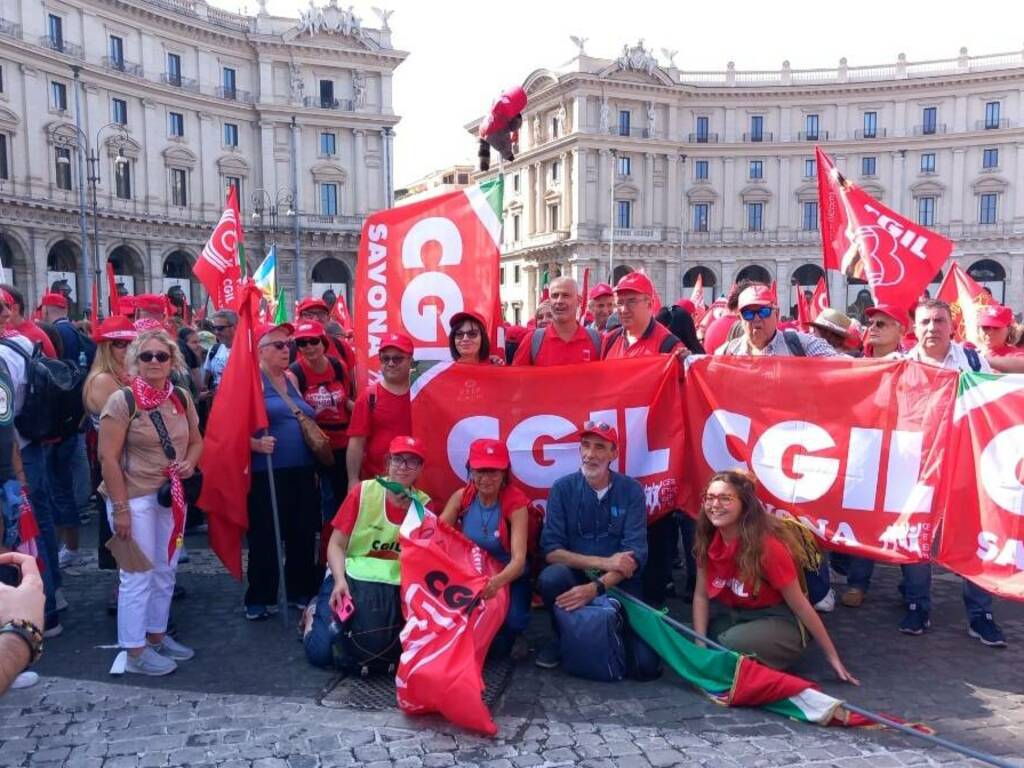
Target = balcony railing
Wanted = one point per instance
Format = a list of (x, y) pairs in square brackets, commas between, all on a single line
[(635, 235), (813, 236), (757, 138), (61, 46), (120, 65), (234, 94), (336, 221), (991, 125), (10, 29), (929, 130), (862, 133), (318, 102), (636, 133), (547, 238), (812, 136), (702, 138), (185, 83)]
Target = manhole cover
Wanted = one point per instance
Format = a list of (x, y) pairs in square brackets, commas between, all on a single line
[(377, 692)]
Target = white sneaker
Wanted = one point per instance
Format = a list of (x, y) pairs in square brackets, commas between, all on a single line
[(62, 602), (149, 662), (171, 649), (25, 680), (827, 604), (68, 558)]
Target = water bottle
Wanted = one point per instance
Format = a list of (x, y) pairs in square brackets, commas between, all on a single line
[(82, 360)]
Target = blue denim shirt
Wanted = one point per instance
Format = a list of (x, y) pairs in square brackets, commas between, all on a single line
[(576, 521)]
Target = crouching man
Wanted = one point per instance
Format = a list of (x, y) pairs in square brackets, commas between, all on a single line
[(356, 619), (594, 538)]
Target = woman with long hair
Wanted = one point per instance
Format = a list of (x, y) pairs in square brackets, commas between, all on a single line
[(468, 342), (746, 564)]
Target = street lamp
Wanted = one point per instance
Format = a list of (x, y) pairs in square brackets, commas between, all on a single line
[(265, 204)]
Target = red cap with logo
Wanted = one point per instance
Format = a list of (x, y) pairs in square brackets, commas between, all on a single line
[(309, 329), (407, 444), (687, 305), (264, 328), (58, 300), (756, 296), (151, 302), (115, 328), (601, 430), (488, 454), (600, 290), (397, 340), (460, 317), (995, 316), (637, 282), (311, 303), (889, 310)]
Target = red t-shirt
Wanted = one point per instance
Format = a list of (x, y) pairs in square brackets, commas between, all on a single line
[(648, 344), (778, 571), (326, 395), (347, 514), (554, 351), (717, 332), (37, 335), (390, 417), (1008, 351)]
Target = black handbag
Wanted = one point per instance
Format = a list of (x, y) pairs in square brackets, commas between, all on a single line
[(191, 485)]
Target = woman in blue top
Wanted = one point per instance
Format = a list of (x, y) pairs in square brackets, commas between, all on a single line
[(298, 499), (493, 514)]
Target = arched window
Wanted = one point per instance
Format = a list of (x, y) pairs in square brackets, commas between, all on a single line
[(755, 272), (332, 276), (989, 274)]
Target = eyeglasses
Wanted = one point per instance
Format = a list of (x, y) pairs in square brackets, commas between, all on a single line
[(596, 426), (221, 328), (392, 359), (312, 314), (278, 345), (149, 357), (406, 461), (300, 343), (629, 303), (878, 324), (763, 312), (724, 499), (470, 334), (120, 344)]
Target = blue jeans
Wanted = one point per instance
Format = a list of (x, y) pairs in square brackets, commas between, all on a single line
[(319, 643), (916, 587), (34, 460), (859, 572), (60, 461), (556, 579)]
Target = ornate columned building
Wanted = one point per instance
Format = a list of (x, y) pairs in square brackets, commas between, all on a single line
[(157, 106), (630, 162)]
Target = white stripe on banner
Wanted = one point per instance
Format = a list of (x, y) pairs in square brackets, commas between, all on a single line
[(987, 392), (482, 208)]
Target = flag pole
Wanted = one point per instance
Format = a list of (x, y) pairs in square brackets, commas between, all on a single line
[(693, 634), (282, 597)]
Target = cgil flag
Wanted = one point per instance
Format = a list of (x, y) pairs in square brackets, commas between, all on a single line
[(265, 275), (218, 266), (862, 238), (965, 298)]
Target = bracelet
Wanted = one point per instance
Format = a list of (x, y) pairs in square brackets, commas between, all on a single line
[(121, 506), (599, 585), (30, 633)]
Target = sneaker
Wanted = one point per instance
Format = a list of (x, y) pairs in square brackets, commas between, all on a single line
[(62, 602), (149, 662), (68, 558), (916, 621), (827, 604), (985, 629), (853, 597), (53, 628), (25, 680), (172, 649), (256, 612), (550, 656)]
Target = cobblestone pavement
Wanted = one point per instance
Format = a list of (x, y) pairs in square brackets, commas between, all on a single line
[(250, 699)]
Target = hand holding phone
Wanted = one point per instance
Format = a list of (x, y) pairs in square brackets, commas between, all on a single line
[(345, 608)]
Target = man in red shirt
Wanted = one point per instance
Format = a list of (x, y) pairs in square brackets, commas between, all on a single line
[(640, 334), (382, 412), (601, 304), (994, 323), (564, 340), (24, 325)]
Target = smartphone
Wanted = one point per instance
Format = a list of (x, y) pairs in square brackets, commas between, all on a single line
[(346, 609), (10, 575)]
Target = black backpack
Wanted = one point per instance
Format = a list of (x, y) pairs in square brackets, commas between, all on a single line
[(53, 407)]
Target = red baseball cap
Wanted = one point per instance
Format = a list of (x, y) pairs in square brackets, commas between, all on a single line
[(599, 290), (407, 444), (58, 300), (126, 304), (115, 328), (397, 340), (637, 282), (601, 429), (151, 302), (265, 328), (890, 310), (488, 454), (309, 329), (756, 296), (459, 317), (6, 298), (687, 305), (311, 302), (515, 333), (995, 316)]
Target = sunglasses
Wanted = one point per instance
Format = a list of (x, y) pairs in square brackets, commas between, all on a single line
[(878, 324), (120, 344), (763, 312), (278, 345), (596, 426), (472, 334), (221, 328), (149, 357), (392, 359), (300, 343)]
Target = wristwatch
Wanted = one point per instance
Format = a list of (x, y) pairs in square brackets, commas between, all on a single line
[(601, 588), (30, 633)]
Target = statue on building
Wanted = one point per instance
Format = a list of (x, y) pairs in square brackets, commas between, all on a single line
[(652, 117), (311, 21), (605, 116), (637, 59), (383, 14), (671, 56), (296, 86), (560, 116), (579, 42), (536, 129), (358, 89)]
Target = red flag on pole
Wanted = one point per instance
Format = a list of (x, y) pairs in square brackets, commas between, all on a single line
[(863, 238), (217, 267), (115, 302), (238, 414), (965, 297), (342, 315), (803, 309), (697, 299), (819, 301)]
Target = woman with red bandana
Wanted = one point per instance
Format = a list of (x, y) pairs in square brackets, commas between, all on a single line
[(149, 435)]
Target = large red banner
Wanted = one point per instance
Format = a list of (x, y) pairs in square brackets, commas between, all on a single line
[(983, 533), (419, 264), (538, 413), (853, 448)]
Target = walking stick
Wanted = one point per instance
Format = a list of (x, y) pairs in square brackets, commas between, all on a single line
[(873, 716), (282, 597)]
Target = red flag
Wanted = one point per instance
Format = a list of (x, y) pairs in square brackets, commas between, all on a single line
[(697, 298), (217, 266), (238, 414), (341, 314), (965, 297), (863, 238), (803, 309), (819, 301), (115, 302)]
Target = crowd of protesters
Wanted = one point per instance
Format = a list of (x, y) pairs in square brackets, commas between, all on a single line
[(146, 377)]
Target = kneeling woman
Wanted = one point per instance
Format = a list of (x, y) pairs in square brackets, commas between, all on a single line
[(745, 565), (357, 617), (493, 514)]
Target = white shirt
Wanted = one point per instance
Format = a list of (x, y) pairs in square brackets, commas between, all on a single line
[(777, 347), (215, 364), (955, 360)]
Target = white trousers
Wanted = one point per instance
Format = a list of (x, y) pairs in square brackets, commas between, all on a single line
[(144, 599)]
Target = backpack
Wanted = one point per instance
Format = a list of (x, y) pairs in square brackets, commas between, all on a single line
[(668, 343), (369, 638), (811, 565), (796, 347), (53, 406), (538, 338), (592, 639)]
